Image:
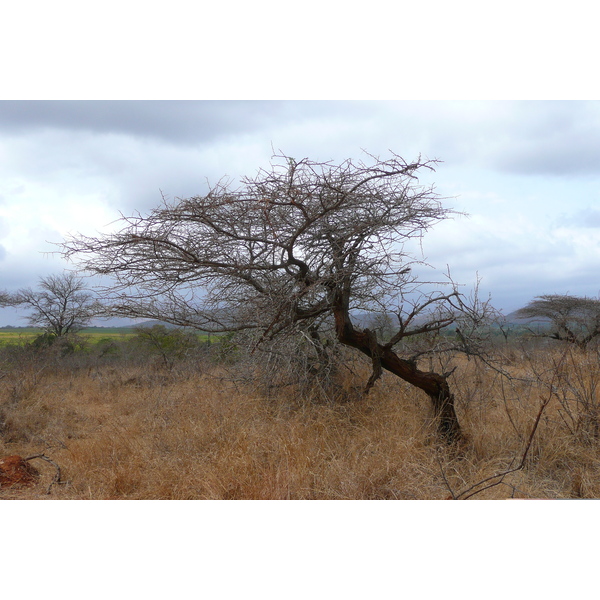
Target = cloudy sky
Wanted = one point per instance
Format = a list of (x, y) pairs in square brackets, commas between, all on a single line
[(526, 173)]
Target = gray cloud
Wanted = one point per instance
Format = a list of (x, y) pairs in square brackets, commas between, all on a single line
[(549, 138), (586, 218), (544, 137), (526, 137), (72, 166), (174, 121)]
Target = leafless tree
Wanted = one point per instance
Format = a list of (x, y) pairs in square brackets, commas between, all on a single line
[(300, 245), (61, 305), (568, 318), (6, 299)]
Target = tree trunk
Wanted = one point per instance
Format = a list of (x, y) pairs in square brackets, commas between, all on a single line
[(433, 384)]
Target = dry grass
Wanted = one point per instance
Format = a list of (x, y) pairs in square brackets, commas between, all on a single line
[(137, 433)]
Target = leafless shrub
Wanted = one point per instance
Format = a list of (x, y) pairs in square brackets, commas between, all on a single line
[(300, 367)]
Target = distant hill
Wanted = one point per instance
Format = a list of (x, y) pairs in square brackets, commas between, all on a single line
[(152, 323)]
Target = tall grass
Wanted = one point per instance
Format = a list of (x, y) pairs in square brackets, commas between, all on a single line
[(129, 429)]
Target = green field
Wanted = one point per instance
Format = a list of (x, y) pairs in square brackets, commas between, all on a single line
[(93, 335), (24, 335)]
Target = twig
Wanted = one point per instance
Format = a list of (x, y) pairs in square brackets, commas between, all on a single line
[(445, 478), (464, 495), (57, 475)]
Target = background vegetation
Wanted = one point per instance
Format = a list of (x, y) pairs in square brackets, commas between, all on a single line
[(302, 279), (129, 417)]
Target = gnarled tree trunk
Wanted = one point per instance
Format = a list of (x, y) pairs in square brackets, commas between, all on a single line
[(433, 384)]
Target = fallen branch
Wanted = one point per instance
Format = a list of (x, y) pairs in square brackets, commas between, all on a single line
[(465, 495), (57, 475)]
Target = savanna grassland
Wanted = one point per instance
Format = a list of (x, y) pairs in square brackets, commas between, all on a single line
[(124, 418)]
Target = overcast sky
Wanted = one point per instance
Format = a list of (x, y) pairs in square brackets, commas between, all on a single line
[(527, 174)]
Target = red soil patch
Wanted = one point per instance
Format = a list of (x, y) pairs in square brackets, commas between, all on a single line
[(14, 471)]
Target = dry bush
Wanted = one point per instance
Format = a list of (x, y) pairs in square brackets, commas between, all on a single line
[(123, 430)]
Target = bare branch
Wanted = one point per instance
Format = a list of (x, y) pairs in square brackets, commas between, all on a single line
[(292, 247)]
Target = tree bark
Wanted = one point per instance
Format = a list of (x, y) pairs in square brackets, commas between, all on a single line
[(433, 384)]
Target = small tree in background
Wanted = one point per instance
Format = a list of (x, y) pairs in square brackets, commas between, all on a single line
[(5, 299), (169, 344), (300, 247), (569, 318), (61, 305)]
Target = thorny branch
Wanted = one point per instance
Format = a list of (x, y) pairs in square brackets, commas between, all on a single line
[(57, 476)]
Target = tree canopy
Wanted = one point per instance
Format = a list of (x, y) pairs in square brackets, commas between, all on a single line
[(572, 319), (294, 246)]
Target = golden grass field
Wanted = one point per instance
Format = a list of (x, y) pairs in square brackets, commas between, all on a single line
[(137, 431)]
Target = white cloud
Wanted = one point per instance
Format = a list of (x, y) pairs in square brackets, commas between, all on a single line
[(525, 172)]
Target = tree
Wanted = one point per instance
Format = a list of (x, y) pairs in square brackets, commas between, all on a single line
[(299, 246), (571, 319), (5, 299), (170, 344), (61, 305)]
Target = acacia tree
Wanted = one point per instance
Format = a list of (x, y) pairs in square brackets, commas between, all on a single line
[(5, 299), (572, 319), (61, 305), (290, 248)]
